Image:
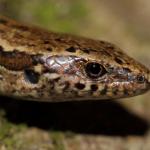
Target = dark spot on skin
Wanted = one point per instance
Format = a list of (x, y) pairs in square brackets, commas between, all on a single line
[(49, 49), (102, 42), (126, 92), (31, 44), (93, 50), (3, 21), (40, 90), (31, 76), (103, 92), (51, 84), (24, 28), (120, 53), (126, 70), (34, 60), (86, 51), (18, 36), (118, 60), (57, 79), (80, 86), (135, 92), (71, 49), (115, 92), (40, 93), (67, 85), (46, 42), (59, 39), (37, 59), (107, 54), (94, 87)]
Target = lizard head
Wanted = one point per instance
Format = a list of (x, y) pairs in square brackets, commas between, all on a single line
[(46, 66), (96, 75), (101, 71)]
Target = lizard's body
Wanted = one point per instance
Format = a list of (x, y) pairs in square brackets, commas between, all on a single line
[(45, 66)]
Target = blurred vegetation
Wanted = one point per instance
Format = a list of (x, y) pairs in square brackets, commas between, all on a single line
[(62, 15)]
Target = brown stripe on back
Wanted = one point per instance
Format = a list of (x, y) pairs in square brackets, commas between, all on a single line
[(15, 60)]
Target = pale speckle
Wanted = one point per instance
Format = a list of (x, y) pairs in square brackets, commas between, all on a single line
[(52, 76)]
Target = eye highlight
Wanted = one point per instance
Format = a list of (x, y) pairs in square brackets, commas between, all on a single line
[(94, 70)]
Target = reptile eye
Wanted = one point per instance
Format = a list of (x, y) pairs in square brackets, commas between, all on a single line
[(140, 78), (31, 76), (95, 70)]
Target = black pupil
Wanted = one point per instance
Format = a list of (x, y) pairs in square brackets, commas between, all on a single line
[(95, 70), (141, 79)]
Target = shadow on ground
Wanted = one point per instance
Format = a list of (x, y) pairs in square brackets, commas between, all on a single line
[(88, 117)]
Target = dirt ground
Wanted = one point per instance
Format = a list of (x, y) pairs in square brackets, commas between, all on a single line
[(90, 125)]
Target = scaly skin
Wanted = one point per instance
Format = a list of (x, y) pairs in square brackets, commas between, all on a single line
[(44, 66)]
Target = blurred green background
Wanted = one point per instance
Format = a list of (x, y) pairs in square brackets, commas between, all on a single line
[(123, 22)]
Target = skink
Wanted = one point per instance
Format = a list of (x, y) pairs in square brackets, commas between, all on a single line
[(39, 65)]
